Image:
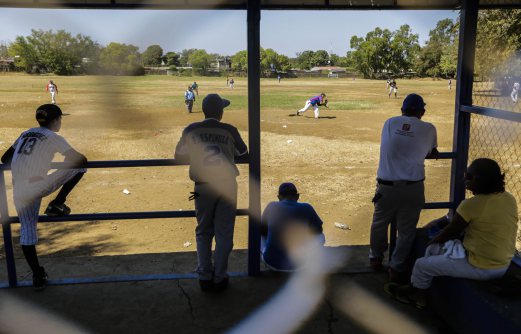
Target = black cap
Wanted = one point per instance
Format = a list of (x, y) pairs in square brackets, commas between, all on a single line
[(213, 104), (287, 188), (47, 112), (413, 102)]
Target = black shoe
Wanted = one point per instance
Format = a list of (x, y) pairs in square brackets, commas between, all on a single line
[(221, 286), (206, 285), (40, 280), (57, 210), (376, 263)]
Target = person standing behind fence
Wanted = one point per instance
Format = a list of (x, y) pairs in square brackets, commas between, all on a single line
[(189, 99), (30, 157), (406, 142), (450, 83), (210, 148), (515, 92), (53, 89)]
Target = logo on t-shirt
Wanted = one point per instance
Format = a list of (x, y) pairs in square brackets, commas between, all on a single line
[(406, 127)]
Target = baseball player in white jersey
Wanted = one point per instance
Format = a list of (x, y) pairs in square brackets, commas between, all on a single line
[(515, 92), (30, 157), (393, 88), (210, 148), (53, 89)]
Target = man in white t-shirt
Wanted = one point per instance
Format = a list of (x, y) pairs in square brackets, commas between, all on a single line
[(406, 142)]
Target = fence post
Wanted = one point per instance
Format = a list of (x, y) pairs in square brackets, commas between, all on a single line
[(253, 16), (6, 230), (465, 79)]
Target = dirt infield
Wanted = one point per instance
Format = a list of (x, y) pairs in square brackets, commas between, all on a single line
[(332, 160)]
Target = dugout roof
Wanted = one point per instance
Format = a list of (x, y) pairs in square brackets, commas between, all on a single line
[(265, 4)]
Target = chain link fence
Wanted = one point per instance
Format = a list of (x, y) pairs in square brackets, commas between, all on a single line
[(499, 140)]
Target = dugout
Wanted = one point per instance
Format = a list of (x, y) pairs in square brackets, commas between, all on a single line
[(480, 122)]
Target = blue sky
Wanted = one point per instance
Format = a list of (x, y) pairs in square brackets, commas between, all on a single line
[(222, 32)]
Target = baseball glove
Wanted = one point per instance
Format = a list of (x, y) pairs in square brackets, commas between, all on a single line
[(324, 103)]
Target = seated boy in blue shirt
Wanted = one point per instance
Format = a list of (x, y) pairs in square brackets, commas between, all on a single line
[(277, 219)]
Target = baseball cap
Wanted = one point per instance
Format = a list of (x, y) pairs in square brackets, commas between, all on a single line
[(48, 112), (287, 188), (413, 102), (213, 104)]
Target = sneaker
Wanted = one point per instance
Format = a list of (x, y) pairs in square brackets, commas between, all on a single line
[(376, 263), (298, 112), (40, 280), (57, 210), (407, 294), (206, 285), (221, 286)]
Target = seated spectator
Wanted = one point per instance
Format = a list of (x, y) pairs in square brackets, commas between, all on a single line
[(489, 222), (277, 219)]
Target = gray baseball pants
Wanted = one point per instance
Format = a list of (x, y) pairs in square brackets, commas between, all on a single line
[(403, 204), (428, 267), (215, 210)]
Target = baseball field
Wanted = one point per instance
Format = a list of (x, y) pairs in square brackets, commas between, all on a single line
[(332, 160)]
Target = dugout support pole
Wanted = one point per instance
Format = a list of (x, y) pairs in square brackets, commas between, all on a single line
[(465, 79), (6, 230), (253, 17)]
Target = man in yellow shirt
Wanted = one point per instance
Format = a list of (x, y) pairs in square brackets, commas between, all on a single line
[(489, 221)]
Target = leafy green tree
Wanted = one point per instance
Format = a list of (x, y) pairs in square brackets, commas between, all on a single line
[(240, 61), (305, 59), (200, 61), (320, 58), (171, 58), (498, 40), (443, 40), (152, 56), (58, 52), (183, 58), (372, 56), (121, 59), (404, 49)]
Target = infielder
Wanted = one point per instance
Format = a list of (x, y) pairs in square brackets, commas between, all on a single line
[(210, 148), (30, 157), (515, 92), (393, 88), (53, 89), (189, 99), (388, 82), (315, 101)]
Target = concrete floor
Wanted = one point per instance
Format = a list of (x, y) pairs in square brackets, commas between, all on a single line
[(178, 306)]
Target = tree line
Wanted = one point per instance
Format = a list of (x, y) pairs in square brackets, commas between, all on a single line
[(381, 53)]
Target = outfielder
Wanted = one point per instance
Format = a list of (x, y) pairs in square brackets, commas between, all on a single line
[(195, 88), (515, 92), (210, 148), (315, 101), (393, 88), (30, 157), (53, 89)]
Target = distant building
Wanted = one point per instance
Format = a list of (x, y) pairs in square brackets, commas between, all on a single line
[(6, 64), (222, 64)]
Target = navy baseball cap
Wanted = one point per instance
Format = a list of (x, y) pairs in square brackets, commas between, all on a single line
[(48, 112), (287, 188), (413, 102), (213, 104)]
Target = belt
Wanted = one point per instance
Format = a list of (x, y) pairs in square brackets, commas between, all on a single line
[(397, 183)]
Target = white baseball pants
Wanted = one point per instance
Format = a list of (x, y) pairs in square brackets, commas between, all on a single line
[(53, 99), (306, 107), (28, 197)]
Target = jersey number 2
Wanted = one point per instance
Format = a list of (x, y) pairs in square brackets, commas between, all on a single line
[(213, 157), (27, 146)]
